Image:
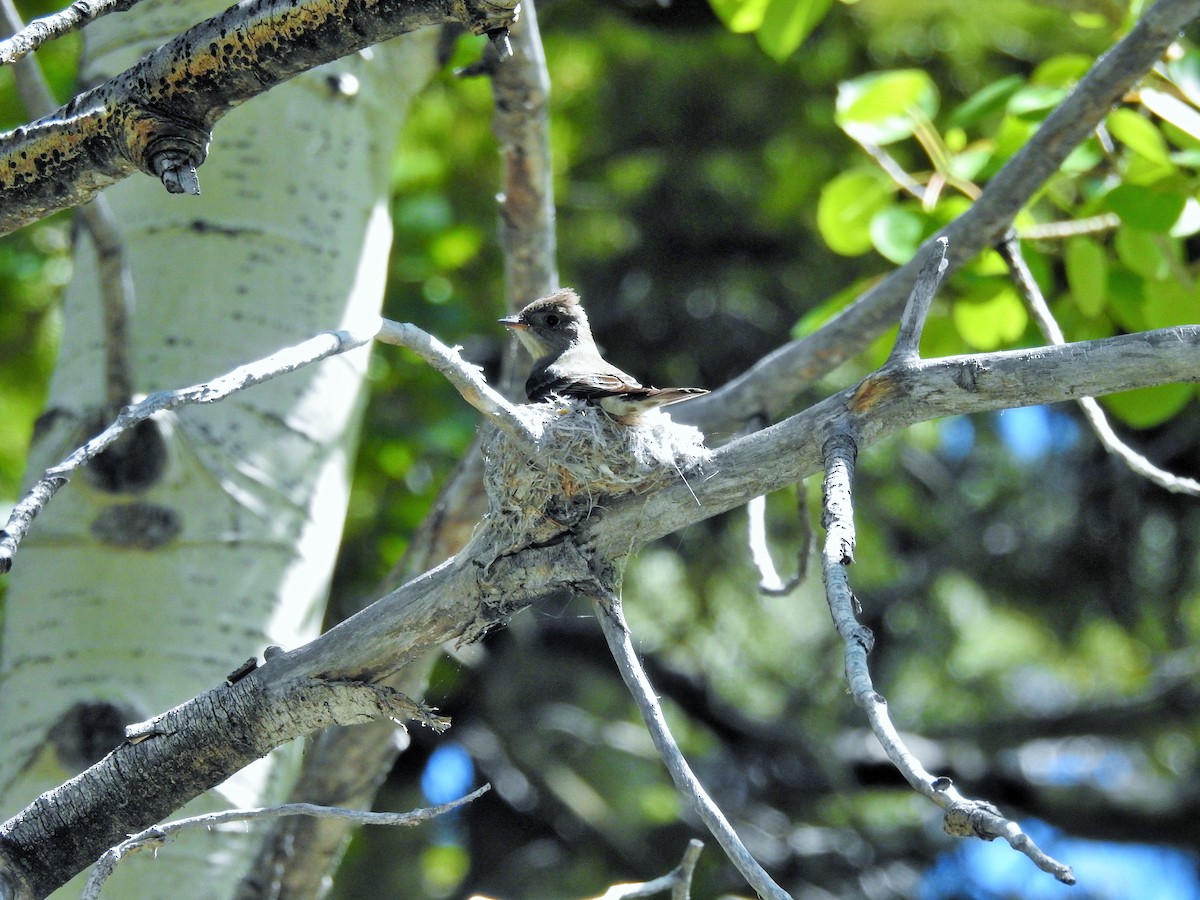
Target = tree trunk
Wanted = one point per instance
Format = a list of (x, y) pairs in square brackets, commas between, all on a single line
[(214, 532)]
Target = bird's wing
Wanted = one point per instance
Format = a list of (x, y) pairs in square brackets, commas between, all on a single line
[(580, 385)]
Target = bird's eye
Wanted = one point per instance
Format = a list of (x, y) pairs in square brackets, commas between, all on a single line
[(551, 320)]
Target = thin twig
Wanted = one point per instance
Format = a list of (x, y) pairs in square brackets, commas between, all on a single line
[(769, 581), (157, 835), (521, 123), (919, 300), (616, 632), (678, 881), (1059, 231), (1010, 249), (465, 378), (47, 28), (964, 817), (322, 346)]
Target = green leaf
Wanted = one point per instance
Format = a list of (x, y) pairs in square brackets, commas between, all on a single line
[(1139, 135), (1087, 274), (987, 100), (878, 108), (1173, 110), (740, 16), (1146, 208), (1147, 407), (1035, 101), (1141, 253), (990, 320), (786, 23), (896, 233), (847, 205), (1062, 71), (1169, 303), (1185, 74)]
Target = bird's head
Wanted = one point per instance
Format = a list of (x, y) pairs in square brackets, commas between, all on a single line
[(551, 325)]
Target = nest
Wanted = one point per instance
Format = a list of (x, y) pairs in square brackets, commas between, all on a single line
[(585, 459)]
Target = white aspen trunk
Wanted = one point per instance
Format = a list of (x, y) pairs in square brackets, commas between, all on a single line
[(123, 604)]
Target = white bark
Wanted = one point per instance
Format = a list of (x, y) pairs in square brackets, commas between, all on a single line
[(290, 237)]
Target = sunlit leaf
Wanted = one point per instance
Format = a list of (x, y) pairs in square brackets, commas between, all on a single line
[(740, 16), (1139, 135), (896, 232), (787, 23), (1062, 71), (1173, 110), (990, 320), (878, 108), (1185, 74), (1035, 101), (846, 207)]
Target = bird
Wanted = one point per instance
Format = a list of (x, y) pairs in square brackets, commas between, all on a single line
[(556, 333)]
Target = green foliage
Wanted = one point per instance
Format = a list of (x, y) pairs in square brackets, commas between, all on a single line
[(780, 26), (1133, 189)]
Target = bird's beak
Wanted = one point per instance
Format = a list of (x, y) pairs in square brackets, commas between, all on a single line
[(512, 322)]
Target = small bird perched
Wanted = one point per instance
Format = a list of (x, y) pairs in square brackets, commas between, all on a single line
[(555, 331)]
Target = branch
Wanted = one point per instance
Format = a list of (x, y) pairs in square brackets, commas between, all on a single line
[(678, 881), (616, 632), (552, 536), (1010, 249), (912, 321), (466, 379), (172, 758), (47, 28), (521, 123), (770, 385), (769, 581), (153, 838), (890, 400), (964, 817), (324, 345), (462, 375), (157, 116)]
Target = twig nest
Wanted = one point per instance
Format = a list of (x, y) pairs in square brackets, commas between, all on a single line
[(585, 458)]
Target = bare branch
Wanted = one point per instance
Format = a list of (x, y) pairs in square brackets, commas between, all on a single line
[(616, 632), (1060, 231), (964, 817), (25, 40), (912, 320), (175, 757), (329, 343), (158, 115), (1010, 249), (774, 381), (157, 836), (893, 399), (521, 554), (466, 379), (678, 881), (769, 581)]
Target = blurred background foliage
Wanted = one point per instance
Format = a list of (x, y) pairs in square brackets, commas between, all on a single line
[(721, 187)]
